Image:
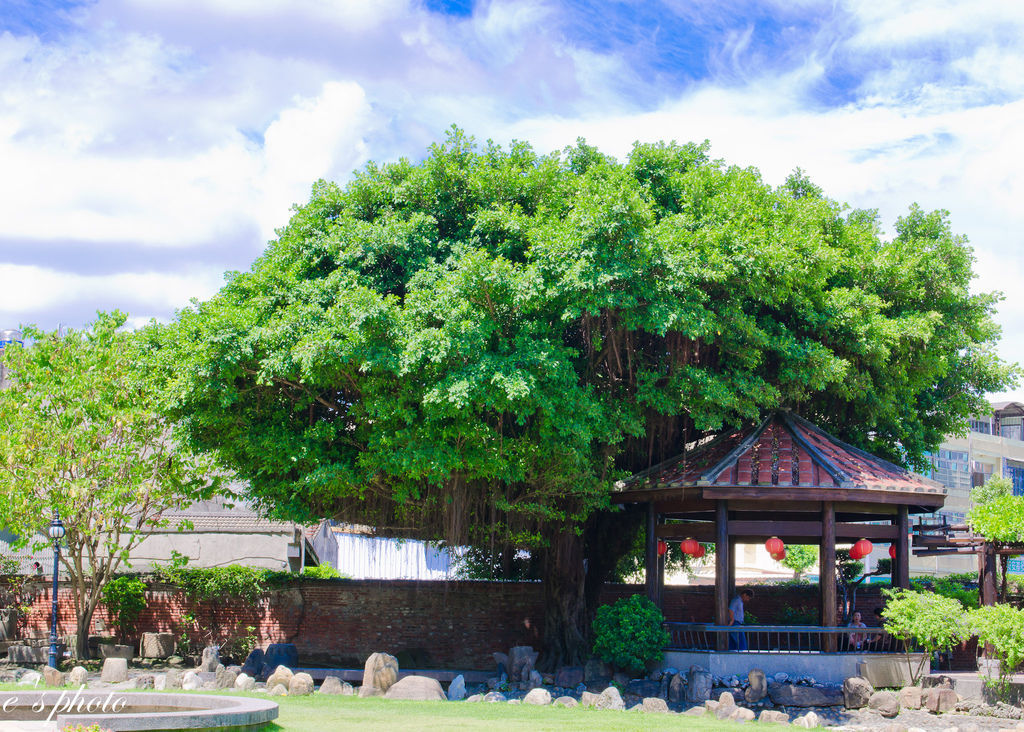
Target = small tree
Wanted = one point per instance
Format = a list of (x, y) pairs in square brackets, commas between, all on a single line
[(800, 558), (932, 622), (82, 438), (998, 515), (125, 598), (1002, 628), (630, 634)]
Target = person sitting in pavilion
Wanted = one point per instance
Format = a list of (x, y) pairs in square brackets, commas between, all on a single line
[(858, 640)]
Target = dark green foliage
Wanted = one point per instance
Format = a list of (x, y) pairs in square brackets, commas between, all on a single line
[(125, 599), (960, 587), (321, 571), (204, 584), (630, 634)]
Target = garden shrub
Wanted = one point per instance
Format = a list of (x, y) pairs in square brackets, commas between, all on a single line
[(322, 571), (1001, 626), (125, 599), (931, 621), (630, 633)]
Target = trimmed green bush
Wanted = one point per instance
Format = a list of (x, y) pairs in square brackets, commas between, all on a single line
[(125, 598), (630, 634)]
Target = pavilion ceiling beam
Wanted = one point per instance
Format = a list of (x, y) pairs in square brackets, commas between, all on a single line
[(831, 495), (791, 530)]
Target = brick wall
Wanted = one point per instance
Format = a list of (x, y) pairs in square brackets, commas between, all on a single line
[(436, 624)]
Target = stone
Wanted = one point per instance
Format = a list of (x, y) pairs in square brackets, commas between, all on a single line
[(773, 715), (569, 677), (893, 727), (457, 689), (535, 679), (115, 650), (757, 688), (279, 690), (253, 664), (610, 698), (280, 654), (190, 681), (565, 701), (726, 705), (886, 703), (52, 677), (211, 658), (539, 697), (474, 698), (27, 654), (416, 688), (115, 670), (78, 676), (676, 688), (940, 700), (781, 677), (742, 714), (159, 682), (643, 688), (225, 678), (156, 645), (588, 699), (173, 679), (792, 695), (695, 712), (653, 704), (521, 660), (301, 684), (856, 692), (380, 672), (146, 681), (808, 721), (622, 679), (501, 662), (282, 675), (698, 686), (910, 697), (34, 678), (494, 697), (245, 682)]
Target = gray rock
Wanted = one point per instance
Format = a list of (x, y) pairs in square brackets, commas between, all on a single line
[(253, 664), (698, 686), (772, 715), (939, 700), (565, 701), (225, 678), (172, 679), (621, 678), (539, 697), (521, 660), (695, 712), (856, 692), (380, 672), (741, 714), (34, 678), (494, 697), (156, 645), (595, 669), (159, 682), (190, 681), (757, 686), (245, 682), (278, 690), (282, 675), (211, 659), (569, 677), (301, 684), (676, 688), (114, 650), (78, 676), (808, 721), (726, 705), (886, 703), (115, 670), (52, 677), (280, 654), (910, 697), (475, 698), (535, 679), (653, 704), (610, 698), (146, 681), (27, 654), (792, 695), (589, 699), (417, 688), (457, 689)]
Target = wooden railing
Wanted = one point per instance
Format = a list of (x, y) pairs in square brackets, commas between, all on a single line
[(780, 639)]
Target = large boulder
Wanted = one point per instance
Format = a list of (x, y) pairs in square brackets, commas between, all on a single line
[(610, 698), (589, 699), (190, 681), (416, 688), (278, 690), (654, 704), (245, 682), (856, 692), (757, 688), (791, 695), (726, 705), (643, 687), (254, 662), (280, 654), (211, 659), (282, 675), (539, 697), (334, 685), (939, 700), (300, 684), (676, 688), (173, 679), (457, 688), (565, 701), (773, 715), (115, 650), (115, 670), (225, 678), (569, 677), (52, 677), (910, 697), (520, 661), (78, 676), (379, 674), (808, 721), (698, 686), (741, 714), (156, 645), (886, 703)]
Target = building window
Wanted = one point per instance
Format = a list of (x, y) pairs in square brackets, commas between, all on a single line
[(984, 426)]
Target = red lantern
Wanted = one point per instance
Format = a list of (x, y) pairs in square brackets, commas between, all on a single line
[(700, 551), (689, 546), (863, 548), (775, 545), (854, 553), (892, 551), (779, 556), (662, 548)]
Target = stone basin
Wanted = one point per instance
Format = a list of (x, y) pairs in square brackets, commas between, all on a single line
[(131, 710)]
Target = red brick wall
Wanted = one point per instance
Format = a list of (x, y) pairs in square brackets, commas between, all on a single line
[(442, 624)]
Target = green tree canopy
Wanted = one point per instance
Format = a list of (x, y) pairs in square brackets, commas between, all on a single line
[(478, 345), (82, 437)]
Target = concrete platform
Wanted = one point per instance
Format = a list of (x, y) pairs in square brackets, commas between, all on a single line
[(829, 668)]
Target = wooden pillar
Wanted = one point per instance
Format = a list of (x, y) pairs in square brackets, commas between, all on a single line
[(660, 602), (987, 566), (731, 585), (651, 556), (827, 581), (901, 564), (721, 569)]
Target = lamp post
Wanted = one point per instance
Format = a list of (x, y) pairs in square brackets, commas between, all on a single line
[(56, 533)]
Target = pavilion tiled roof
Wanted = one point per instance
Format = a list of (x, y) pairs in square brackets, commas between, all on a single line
[(783, 450)]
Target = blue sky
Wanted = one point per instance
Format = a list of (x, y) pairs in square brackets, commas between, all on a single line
[(150, 145)]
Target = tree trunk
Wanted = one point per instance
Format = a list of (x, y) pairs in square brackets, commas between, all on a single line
[(565, 607)]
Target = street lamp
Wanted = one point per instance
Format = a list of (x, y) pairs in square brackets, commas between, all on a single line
[(56, 533)]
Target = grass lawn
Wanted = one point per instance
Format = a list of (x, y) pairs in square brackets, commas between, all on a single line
[(325, 713)]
